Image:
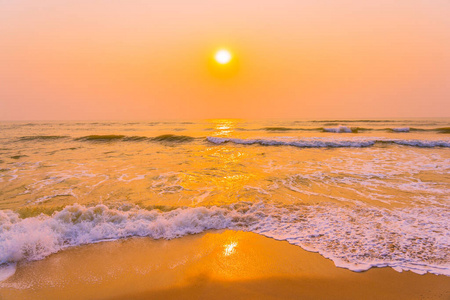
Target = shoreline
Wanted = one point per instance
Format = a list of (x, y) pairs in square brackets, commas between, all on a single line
[(220, 264)]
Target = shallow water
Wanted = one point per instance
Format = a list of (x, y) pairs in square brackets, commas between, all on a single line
[(361, 192)]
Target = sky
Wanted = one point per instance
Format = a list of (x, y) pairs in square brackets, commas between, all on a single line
[(151, 60)]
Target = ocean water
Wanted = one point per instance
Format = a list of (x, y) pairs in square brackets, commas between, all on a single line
[(363, 193)]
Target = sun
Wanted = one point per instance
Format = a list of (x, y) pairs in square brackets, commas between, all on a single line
[(223, 56)]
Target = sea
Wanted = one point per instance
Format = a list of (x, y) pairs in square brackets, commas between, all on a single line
[(362, 193)]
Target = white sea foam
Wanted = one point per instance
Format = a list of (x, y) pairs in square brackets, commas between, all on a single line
[(56, 177), (331, 143), (311, 143), (356, 237), (7, 270), (340, 129), (56, 193), (124, 177), (401, 129), (13, 177), (421, 143)]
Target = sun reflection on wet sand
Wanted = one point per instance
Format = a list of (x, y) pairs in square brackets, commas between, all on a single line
[(229, 248)]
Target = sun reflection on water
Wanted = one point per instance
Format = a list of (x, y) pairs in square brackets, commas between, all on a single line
[(224, 127)]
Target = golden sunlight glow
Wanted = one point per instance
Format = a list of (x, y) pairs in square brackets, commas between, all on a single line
[(224, 127), (223, 56), (229, 248)]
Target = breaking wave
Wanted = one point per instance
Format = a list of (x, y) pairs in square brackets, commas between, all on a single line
[(399, 129), (356, 237), (173, 138), (331, 143), (341, 129)]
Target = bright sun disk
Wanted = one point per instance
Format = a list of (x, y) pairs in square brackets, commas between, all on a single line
[(223, 56)]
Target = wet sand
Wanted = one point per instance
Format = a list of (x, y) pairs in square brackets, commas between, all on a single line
[(213, 265)]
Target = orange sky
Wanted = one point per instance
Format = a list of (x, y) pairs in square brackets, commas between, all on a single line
[(90, 60)]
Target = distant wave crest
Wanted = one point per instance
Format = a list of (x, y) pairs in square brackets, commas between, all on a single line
[(443, 130), (99, 138), (340, 129), (331, 143), (347, 129), (172, 138), (42, 137)]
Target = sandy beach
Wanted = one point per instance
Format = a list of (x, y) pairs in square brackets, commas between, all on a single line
[(212, 265), (224, 150)]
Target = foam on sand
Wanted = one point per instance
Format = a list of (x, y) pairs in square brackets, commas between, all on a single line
[(356, 238), (7, 270), (221, 264)]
